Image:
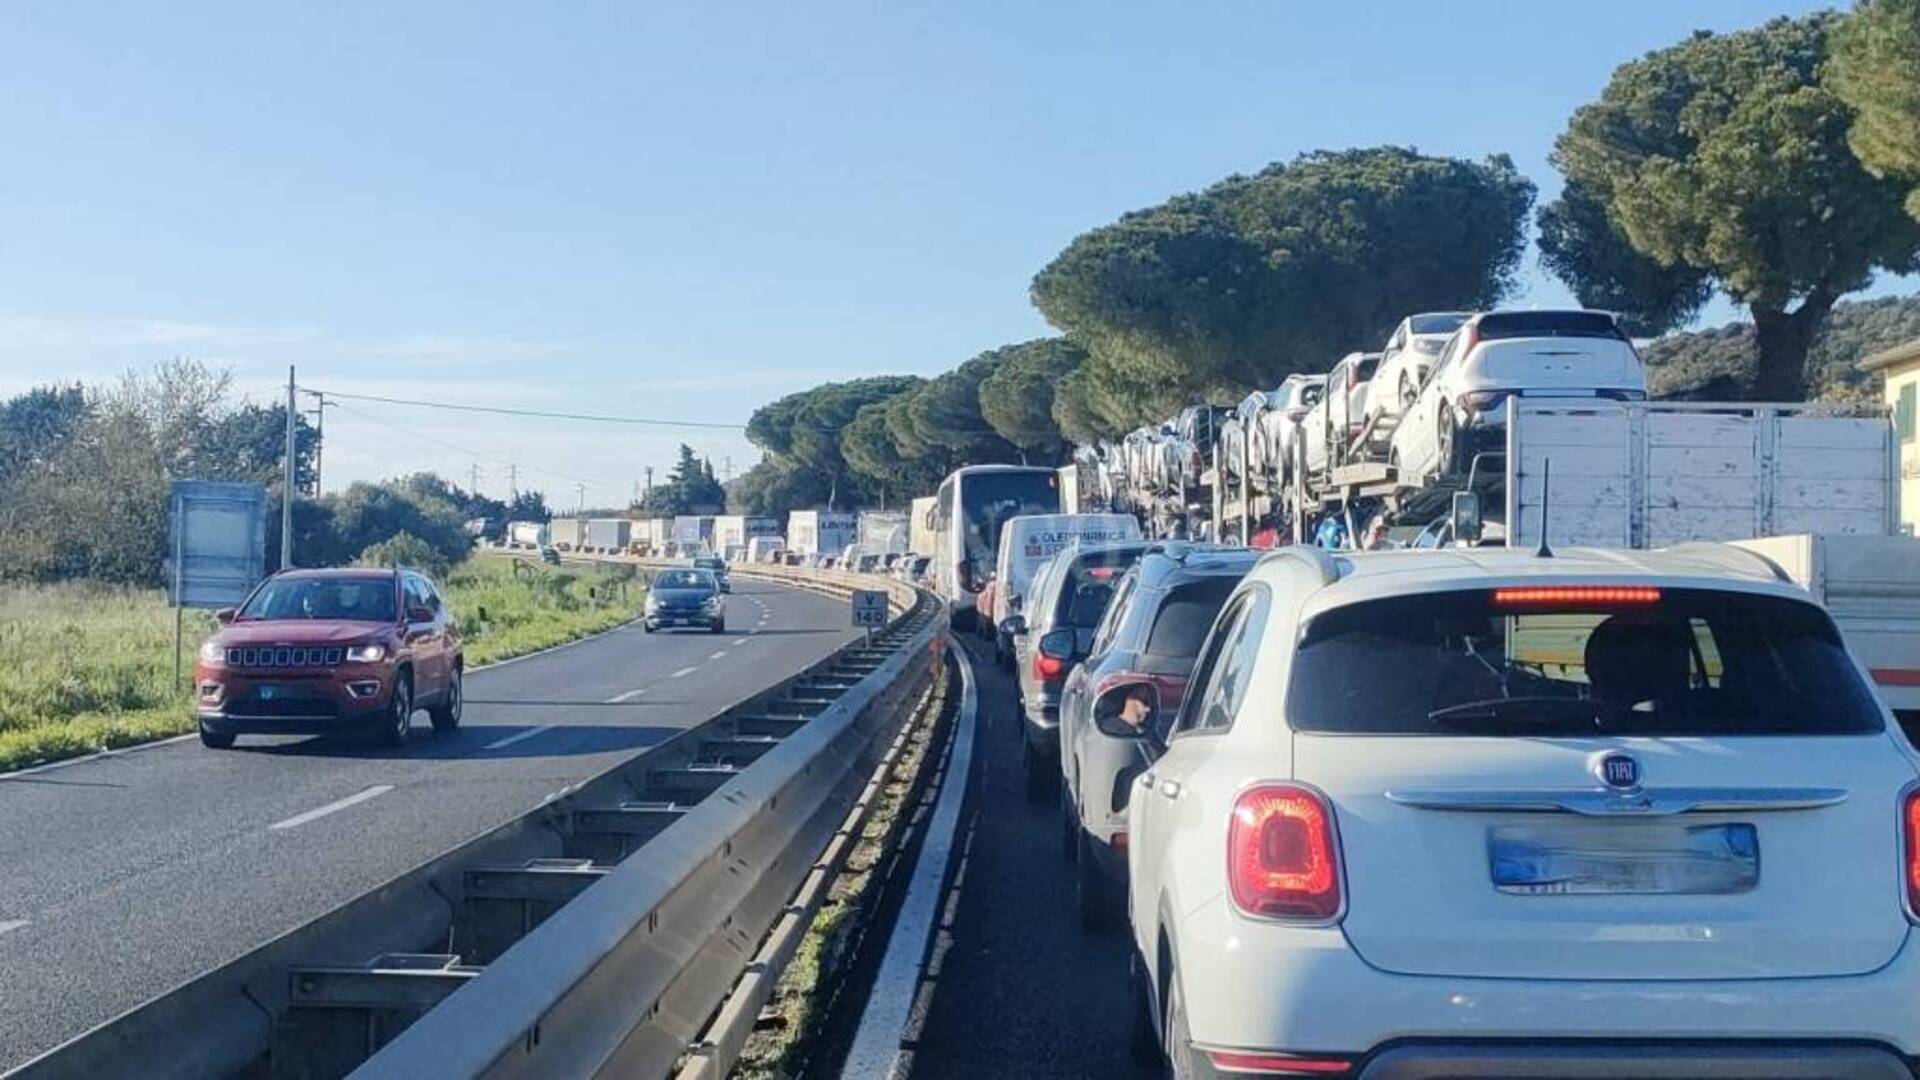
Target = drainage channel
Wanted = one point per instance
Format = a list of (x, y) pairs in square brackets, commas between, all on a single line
[(328, 1017)]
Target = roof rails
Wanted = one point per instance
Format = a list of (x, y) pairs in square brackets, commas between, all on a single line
[(1321, 560)]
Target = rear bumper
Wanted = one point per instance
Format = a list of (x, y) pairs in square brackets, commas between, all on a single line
[(1261, 985), (1643, 1060)]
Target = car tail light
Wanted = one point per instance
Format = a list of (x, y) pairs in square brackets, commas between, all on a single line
[(1282, 859), (1910, 848), (1262, 1064), (1479, 401), (1047, 667)]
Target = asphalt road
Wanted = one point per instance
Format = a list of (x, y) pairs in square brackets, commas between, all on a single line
[(1015, 987), (122, 876)]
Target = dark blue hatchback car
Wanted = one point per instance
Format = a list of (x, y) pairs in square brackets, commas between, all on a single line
[(685, 597)]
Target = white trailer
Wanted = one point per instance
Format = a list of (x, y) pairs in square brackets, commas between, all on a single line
[(920, 526), (1871, 585), (821, 532)]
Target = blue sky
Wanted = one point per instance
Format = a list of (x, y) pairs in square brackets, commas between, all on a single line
[(676, 210)]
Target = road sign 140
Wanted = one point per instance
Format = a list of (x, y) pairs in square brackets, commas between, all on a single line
[(870, 608)]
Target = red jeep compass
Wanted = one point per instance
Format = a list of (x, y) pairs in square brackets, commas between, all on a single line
[(316, 651)]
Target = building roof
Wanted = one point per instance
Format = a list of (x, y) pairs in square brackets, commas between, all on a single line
[(1898, 356)]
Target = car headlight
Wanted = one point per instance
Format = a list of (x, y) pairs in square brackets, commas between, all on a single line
[(653, 603), (714, 600), (212, 652), (366, 654)]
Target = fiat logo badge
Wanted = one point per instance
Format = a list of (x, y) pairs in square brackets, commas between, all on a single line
[(1618, 771)]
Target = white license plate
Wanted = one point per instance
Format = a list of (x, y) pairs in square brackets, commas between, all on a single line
[(1624, 857)]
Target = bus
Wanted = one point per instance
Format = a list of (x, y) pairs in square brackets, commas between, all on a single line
[(967, 512)]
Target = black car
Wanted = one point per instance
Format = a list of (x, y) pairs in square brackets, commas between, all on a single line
[(685, 597), (716, 566)]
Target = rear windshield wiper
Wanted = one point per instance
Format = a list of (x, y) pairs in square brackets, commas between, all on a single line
[(1549, 707)]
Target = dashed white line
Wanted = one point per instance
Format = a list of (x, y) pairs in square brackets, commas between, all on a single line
[(739, 641), (522, 737), (8, 926), (683, 673), (721, 655), (333, 807), (628, 696)]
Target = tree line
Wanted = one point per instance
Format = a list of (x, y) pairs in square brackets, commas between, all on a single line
[(84, 474), (1777, 166)]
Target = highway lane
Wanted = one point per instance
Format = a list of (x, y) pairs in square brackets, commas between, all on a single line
[(123, 875), (1014, 986)]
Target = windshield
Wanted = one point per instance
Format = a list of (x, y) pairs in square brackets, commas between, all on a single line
[(988, 500), (1542, 662), (363, 599), (1089, 586), (683, 579)]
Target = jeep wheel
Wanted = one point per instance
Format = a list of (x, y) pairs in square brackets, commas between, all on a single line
[(446, 715), (399, 716)]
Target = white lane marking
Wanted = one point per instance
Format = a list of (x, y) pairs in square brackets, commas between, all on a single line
[(8, 926), (739, 641), (683, 673), (96, 756), (721, 655), (876, 1045), (628, 696), (296, 820), (522, 737)]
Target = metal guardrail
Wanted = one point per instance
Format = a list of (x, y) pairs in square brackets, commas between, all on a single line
[(728, 814)]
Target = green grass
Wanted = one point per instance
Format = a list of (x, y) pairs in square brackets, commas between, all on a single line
[(87, 667)]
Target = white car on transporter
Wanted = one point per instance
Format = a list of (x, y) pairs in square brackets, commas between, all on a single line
[(1490, 813), (1459, 410), (1407, 357)]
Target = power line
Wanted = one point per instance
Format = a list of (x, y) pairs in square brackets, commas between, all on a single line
[(414, 433), (539, 413)]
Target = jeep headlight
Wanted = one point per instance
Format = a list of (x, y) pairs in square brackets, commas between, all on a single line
[(366, 654), (212, 652)]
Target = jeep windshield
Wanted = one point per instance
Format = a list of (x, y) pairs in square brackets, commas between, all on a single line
[(356, 599), (1578, 660)]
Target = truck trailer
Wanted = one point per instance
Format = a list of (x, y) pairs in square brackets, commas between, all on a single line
[(821, 532)]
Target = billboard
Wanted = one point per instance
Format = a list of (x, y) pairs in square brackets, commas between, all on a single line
[(216, 542)]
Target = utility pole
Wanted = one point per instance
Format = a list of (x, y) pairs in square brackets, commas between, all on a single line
[(513, 482), (287, 492), (580, 500), (726, 467), (649, 498), (319, 434), (473, 479)]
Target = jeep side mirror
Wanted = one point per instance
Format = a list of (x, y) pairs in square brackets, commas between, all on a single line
[(225, 615), (1465, 517), (1127, 711)]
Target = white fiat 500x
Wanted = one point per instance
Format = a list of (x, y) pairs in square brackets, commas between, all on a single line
[(1492, 814)]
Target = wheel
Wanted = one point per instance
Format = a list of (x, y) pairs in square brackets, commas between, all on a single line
[(1449, 438), (1069, 828), (446, 715), (1143, 1027), (719, 627), (399, 717), (1179, 1047), (646, 627), (1093, 893), (213, 740), (1033, 770)]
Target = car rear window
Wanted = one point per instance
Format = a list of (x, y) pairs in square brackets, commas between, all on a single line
[(1089, 587), (1186, 614), (1560, 661), (1437, 324), (1525, 324)]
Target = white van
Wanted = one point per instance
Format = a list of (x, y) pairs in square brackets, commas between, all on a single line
[(1028, 541), (765, 549)]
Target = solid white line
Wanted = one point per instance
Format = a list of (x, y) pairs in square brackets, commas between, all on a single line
[(375, 791), (628, 696), (739, 641), (876, 1045), (8, 926), (95, 756), (522, 737), (721, 655), (683, 673)]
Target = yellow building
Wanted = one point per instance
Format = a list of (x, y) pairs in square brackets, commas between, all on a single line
[(1900, 366)]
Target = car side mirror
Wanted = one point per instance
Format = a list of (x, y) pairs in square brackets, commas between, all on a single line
[(1465, 517), (419, 613), (1013, 625), (225, 615), (1128, 711), (1014, 602)]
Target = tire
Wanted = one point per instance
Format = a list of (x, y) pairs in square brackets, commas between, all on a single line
[(214, 741), (446, 715), (719, 627), (1143, 1027), (1179, 1045), (397, 722), (1033, 770), (1448, 435), (1069, 828), (646, 627), (1093, 893)]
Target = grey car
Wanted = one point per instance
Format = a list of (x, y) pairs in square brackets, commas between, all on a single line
[(1050, 634), (685, 597), (1154, 626)]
